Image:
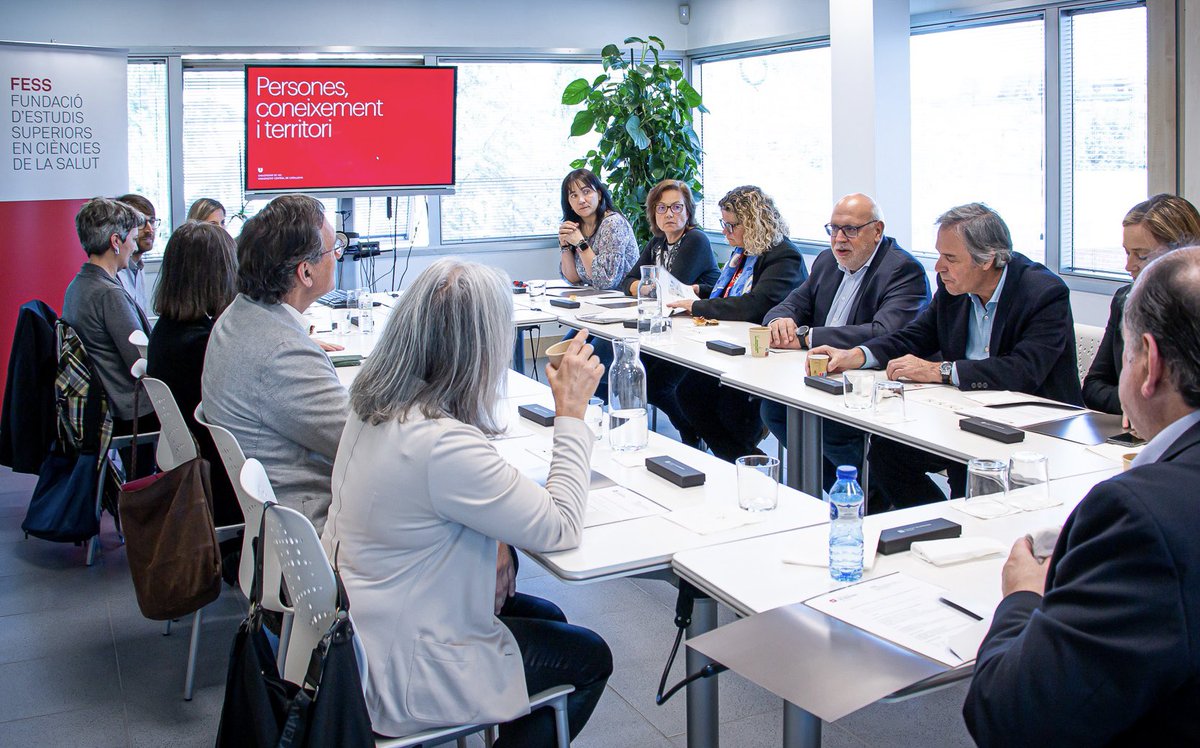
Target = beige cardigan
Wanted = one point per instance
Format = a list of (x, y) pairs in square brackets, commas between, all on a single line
[(418, 508)]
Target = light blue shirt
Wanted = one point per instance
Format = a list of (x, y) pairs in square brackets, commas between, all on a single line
[(1153, 451), (847, 293), (979, 330)]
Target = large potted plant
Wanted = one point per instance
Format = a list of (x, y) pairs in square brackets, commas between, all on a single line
[(643, 109)]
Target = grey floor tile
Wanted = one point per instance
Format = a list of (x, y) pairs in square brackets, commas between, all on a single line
[(933, 720), (177, 723), (99, 727), (616, 723), (83, 678), (583, 601), (47, 633), (766, 731)]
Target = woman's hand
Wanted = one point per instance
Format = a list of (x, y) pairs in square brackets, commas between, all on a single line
[(574, 380), (569, 233), (506, 577), (684, 304), (328, 347)]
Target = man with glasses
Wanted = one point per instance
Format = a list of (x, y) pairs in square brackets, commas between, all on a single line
[(264, 378), (866, 285), (999, 321), (131, 277)]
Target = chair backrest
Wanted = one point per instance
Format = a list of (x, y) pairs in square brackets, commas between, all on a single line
[(234, 460), (175, 443), (140, 341), (311, 586), (1087, 341), (253, 480)]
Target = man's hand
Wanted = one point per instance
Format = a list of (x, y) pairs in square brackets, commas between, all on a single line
[(840, 359), (914, 369), (506, 577), (1022, 571), (783, 333), (684, 304), (328, 347)]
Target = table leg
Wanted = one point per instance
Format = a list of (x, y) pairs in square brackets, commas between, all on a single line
[(791, 473), (519, 351), (703, 716), (800, 728), (813, 453)]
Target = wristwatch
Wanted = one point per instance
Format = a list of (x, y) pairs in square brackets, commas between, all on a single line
[(946, 369), (582, 245), (566, 248), (802, 333)]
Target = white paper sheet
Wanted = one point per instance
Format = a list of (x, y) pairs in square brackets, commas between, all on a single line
[(809, 554), (1019, 415), (671, 288), (706, 520), (901, 609), (617, 504)]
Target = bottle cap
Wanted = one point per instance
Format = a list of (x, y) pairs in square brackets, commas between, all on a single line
[(847, 472)]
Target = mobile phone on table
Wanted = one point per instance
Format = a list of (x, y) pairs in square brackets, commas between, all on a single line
[(1126, 439)]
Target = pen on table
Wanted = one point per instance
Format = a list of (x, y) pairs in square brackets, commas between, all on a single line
[(960, 608)]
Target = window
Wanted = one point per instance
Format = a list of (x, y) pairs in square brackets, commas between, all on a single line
[(149, 162), (1104, 134), (396, 222), (769, 123), (978, 128), (513, 149), (214, 106)]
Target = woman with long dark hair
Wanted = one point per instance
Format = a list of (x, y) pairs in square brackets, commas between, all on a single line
[(597, 243)]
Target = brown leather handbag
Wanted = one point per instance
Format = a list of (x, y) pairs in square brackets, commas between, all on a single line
[(170, 540)]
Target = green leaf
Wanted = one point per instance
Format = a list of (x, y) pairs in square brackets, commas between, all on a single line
[(575, 92), (582, 123), (634, 128), (599, 79), (632, 39), (703, 108), (658, 41), (578, 163), (610, 50), (690, 95), (674, 73)]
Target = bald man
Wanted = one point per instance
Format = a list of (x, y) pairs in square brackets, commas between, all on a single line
[(864, 286)]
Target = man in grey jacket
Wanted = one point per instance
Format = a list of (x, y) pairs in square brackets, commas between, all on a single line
[(264, 379)]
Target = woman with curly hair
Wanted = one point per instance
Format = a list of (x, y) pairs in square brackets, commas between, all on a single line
[(763, 268), (1151, 228), (597, 243)]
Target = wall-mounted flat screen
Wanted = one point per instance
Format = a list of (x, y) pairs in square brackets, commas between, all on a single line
[(349, 129)]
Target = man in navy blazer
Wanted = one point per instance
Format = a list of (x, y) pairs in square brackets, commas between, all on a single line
[(998, 321), (1099, 644), (865, 285)]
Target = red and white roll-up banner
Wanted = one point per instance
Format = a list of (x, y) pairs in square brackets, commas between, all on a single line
[(63, 139)]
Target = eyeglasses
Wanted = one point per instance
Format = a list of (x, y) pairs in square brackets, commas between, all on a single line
[(851, 232), (153, 222), (340, 242), (729, 225), (676, 208)]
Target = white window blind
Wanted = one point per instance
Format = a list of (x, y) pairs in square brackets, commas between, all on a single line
[(770, 125), (149, 160)]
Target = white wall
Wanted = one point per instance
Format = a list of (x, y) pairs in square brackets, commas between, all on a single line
[(540, 24)]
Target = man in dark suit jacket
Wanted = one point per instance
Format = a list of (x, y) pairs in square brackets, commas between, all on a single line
[(999, 321), (864, 286), (1099, 645)]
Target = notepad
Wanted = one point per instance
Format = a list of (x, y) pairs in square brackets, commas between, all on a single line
[(617, 504)]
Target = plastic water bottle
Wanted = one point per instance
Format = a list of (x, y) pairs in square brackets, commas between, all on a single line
[(845, 526), (366, 315)]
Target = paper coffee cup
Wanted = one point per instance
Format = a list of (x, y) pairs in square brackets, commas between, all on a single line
[(1127, 460), (557, 351), (760, 341), (818, 364)]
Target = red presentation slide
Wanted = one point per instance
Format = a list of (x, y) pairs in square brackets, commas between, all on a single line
[(328, 128)]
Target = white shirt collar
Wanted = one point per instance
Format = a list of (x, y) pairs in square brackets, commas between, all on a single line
[(1162, 441), (300, 321)]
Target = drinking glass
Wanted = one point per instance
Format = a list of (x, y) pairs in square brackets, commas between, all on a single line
[(1031, 471), (758, 482), (594, 417), (650, 310), (889, 402), (987, 485), (537, 292), (859, 389)]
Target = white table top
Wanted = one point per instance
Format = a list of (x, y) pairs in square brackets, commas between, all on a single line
[(648, 543), (750, 577), (780, 377)]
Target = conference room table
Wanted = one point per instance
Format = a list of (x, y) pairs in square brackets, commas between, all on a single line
[(750, 576)]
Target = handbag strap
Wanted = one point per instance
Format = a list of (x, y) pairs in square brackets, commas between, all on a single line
[(256, 585), (137, 391)]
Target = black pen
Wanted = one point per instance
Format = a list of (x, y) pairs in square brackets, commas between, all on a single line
[(960, 608)]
